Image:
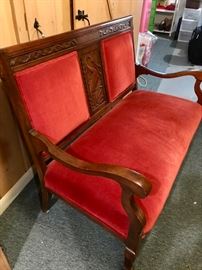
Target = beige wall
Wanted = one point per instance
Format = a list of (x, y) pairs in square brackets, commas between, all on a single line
[(17, 18)]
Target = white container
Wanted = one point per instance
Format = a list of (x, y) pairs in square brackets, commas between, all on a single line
[(184, 36), (192, 14), (188, 25)]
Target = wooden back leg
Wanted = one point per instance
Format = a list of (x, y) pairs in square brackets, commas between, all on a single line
[(45, 199)]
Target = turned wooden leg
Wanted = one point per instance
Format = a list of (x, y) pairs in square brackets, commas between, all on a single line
[(129, 258)]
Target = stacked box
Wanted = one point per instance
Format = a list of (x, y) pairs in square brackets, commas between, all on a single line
[(190, 20)]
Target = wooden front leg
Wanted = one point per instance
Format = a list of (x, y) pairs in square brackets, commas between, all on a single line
[(129, 258), (137, 222)]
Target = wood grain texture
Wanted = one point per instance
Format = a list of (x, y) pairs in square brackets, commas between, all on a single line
[(8, 36), (52, 15), (97, 13)]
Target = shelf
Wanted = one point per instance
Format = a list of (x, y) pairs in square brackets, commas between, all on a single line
[(165, 11), (161, 31)]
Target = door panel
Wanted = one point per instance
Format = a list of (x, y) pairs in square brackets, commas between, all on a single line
[(8, 36), (52, 15)]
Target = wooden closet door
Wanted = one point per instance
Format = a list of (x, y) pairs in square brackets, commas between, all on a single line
[(105, 10), (97, 11), (7, 35), (19, 20), (128, 7), (52, 15)]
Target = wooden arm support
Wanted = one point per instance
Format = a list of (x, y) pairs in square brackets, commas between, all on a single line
[(127, 178), (197, 74)]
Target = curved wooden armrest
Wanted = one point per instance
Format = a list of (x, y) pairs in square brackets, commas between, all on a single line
[(144, 70), (136, 182), (197, 74)]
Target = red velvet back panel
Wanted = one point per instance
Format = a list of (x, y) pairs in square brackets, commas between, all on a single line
[(54, 97), (118, 58)]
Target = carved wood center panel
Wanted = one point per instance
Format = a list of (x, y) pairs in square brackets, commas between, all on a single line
[(93, 79)]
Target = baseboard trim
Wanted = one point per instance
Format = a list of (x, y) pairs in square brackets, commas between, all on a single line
[(10, 196)]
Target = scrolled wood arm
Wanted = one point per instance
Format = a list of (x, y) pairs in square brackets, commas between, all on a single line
[(130, 179), (144, 70), (197, 74)]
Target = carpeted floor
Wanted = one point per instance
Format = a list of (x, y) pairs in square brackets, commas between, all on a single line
[(160, 58), (181, 86), (64, 239)]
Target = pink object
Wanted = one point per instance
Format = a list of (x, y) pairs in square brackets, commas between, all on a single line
[(144, 23)]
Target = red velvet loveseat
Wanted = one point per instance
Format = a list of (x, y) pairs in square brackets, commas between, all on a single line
[(106, 148)]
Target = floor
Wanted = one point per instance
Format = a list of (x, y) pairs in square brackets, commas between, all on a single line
[(64, 239), (174, 58), (178, 61)]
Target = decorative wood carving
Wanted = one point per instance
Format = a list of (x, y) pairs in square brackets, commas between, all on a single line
[(93, 77), (1, 72), (115, 28), (28, 57)]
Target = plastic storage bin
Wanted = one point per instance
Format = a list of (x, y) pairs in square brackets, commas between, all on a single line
[(192, 14), (188, 25), (184, 36)]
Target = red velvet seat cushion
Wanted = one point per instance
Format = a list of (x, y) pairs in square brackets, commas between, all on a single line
[(118, 58), (147, 132), (53, 95)]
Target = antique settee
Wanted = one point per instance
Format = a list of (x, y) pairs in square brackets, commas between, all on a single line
[(97, 142)]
